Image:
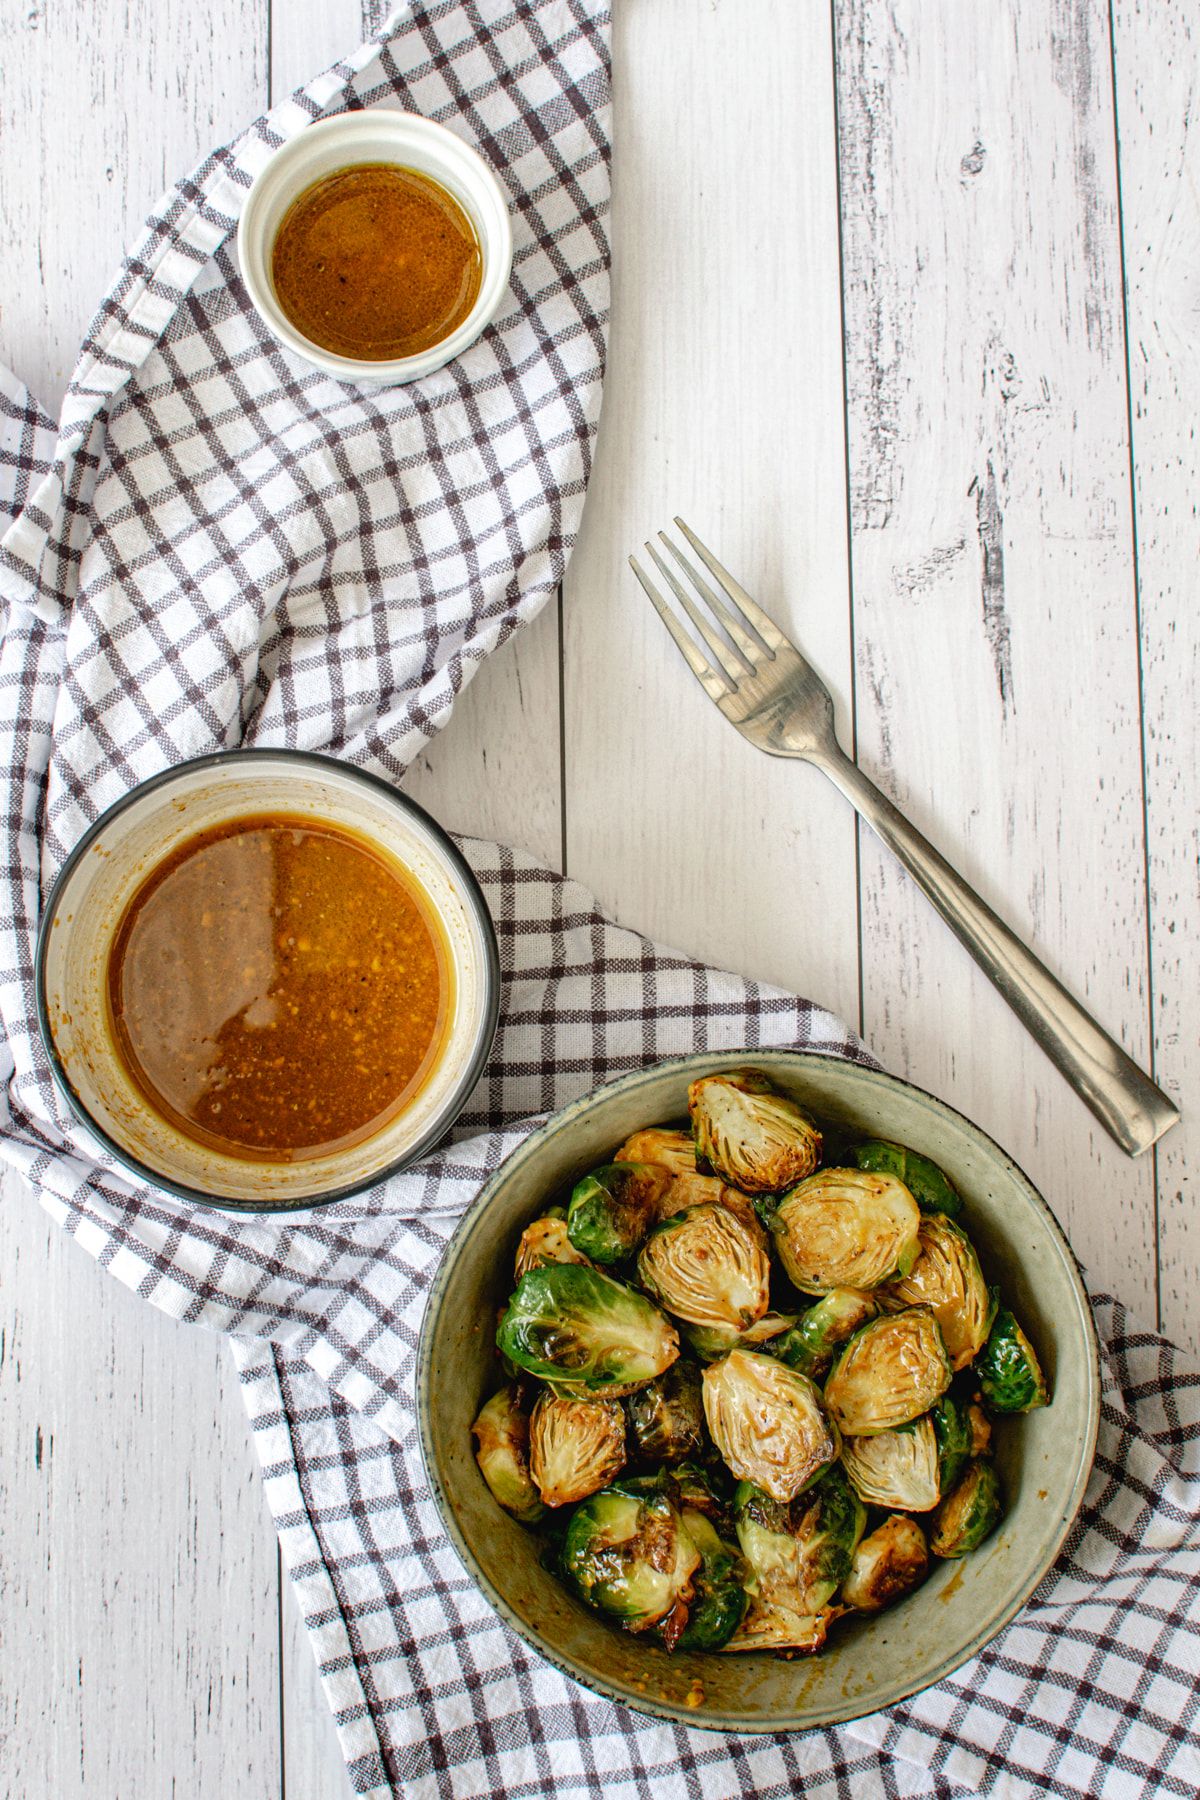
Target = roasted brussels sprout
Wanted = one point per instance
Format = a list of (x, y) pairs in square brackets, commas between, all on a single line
[(895, 1468), (674, 1150), (1010, 1376), (702, 1490), (889, 1563), (946, 1278), (930, 1187), (704, 1266), (666, 1417), (713, 1341), (809, 1346), (803, 1548), (955, 1439), (981, 1429), (768, 1423), (698, 1190), (502, 1452), (579, 1328), (758, 1140), (614, 1207), (575, 1446), (890, 1372), (778, 1624), (846, 1228), (719, 1601), (543, 1242), (628, 1554), (970, 1510)]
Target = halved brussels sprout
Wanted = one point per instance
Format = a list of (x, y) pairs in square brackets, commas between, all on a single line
[(895, 1468), (952, 1427), (758, 1140), (889, 1563), (666, 1417), (674, 1150), (768, 1423), (614, 1207), (930, 1187), (628, 1554), (890, 1372), (502, 1452), (704, 1266), (846, 1228), (947, 1278), (970, 1510), (713, 1341), (545, 1241), (810, 1344), (778, 1623), (702, 1490), (698, 1190), (1010, 1375), (586, 1332), (720, 1600), (981, 1429), (805, 1548), (575, 1447)]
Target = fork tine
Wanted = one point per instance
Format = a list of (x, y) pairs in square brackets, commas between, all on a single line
[(714, 685), (765, 626), (734, 666), (750, 651)]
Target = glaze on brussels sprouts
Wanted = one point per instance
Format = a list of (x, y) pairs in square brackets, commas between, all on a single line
[(628, 1554), (579, 1328), (757, 1140), (666, 1417), (890, 1372), (613, 1208), (711, 1342), (575, 1447), (768, 1423), (719, 1598), (846, 1228), (810, 1344), (502, 1452), (1010, 1376), (946, 1278), (981, 1429), (889, 1563), (970, 1510), (804, 1548), (674, 1150), (778, 1624), (703, 1265), (897, 1468), (543, 1242), (930, 1187)]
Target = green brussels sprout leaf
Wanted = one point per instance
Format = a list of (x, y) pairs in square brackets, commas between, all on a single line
[(1010, 1376), (613, 1208), (971, 1509), (929, 1186), (585, 1332)]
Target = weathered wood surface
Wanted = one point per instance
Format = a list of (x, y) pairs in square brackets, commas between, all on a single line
[(939, 499)]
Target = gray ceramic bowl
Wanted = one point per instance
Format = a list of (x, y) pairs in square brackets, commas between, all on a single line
[(1045, 1458)]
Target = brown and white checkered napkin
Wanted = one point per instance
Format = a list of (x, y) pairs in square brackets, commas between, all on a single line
[(218, 546)]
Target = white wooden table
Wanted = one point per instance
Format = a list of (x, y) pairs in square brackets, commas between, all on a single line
[(907, 322)]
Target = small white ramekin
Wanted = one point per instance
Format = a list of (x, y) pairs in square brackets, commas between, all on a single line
[(375, 135), (89, 899)]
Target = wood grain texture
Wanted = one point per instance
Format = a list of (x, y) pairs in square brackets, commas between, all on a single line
[(994, 606), (723, 402), (1156, 57)]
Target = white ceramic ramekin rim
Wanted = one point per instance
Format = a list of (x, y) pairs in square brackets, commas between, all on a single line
[(486, 974), (375, 134)]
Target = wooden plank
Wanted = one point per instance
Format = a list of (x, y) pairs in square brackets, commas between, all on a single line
[(138, 1583), (1156, 51), (723, 402), (993, 580), (139, 1587)]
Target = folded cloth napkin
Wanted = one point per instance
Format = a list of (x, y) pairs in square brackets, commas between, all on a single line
[(218, 545)]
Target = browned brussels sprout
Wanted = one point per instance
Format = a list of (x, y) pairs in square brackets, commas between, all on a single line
[(705, 1267), (946, 1278), (970, 1510), (666, 1417), (769, 1424), (613, 1208), (543, 1242), (757, 1140), (582, 1330), (575, 1447), (895, 1468), (845, 1228), (719, 1600), (502, 1452), (710, 1342), (629, 1555), (889, 1563), (890, 1372)]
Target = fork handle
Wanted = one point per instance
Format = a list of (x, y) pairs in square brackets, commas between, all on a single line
[(1126, 1102)]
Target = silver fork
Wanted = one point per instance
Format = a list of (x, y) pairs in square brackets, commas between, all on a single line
[(765, 687)]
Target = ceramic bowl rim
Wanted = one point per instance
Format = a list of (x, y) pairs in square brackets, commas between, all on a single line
[(489, 975), (732, 1722)]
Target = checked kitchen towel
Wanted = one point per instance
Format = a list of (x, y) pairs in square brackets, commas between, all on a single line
[(218, 546)]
